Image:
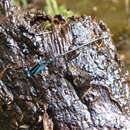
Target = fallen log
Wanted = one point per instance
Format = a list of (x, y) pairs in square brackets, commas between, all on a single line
[(84, 89)]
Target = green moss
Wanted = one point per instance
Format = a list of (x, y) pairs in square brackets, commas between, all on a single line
[(47, 25)]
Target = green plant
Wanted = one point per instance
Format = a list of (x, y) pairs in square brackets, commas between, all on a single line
[(23, 3), (52, 8)]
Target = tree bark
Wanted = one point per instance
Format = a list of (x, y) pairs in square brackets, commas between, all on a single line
[(86, 89)]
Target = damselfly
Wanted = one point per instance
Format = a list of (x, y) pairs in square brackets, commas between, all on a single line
[(40, 66)]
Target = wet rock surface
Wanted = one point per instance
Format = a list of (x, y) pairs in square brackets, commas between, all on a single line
[(86, 89)]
